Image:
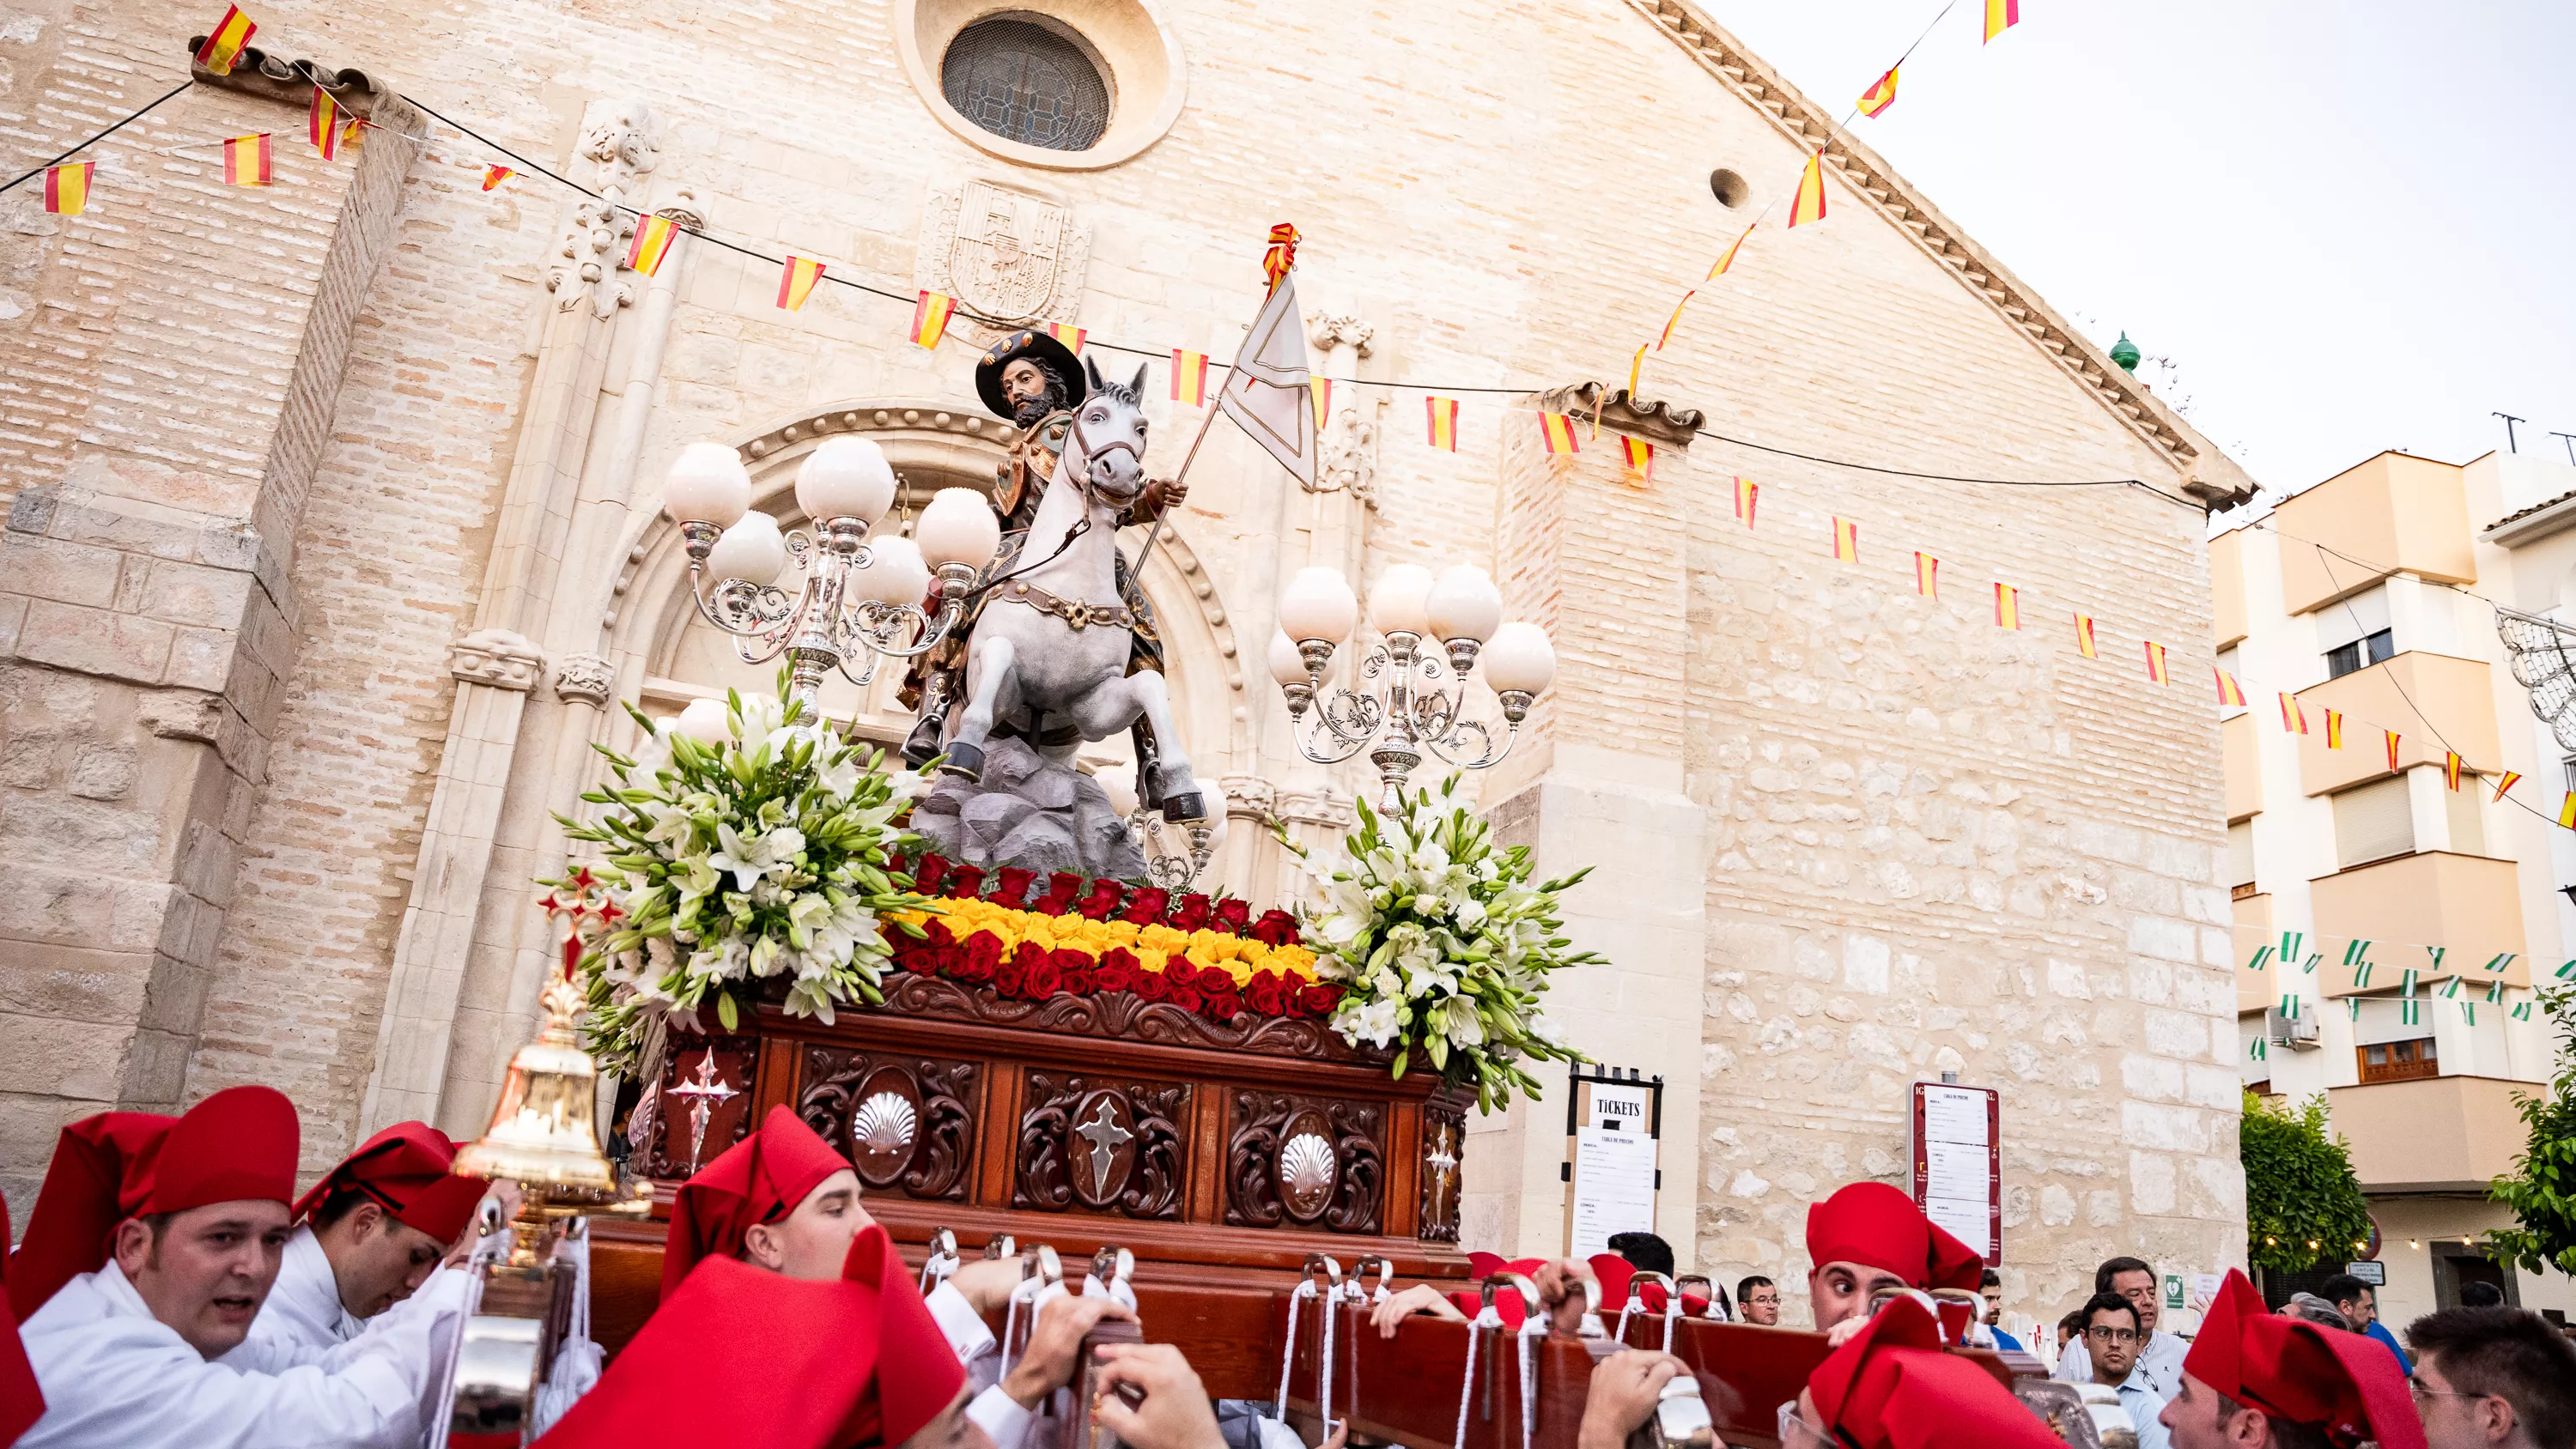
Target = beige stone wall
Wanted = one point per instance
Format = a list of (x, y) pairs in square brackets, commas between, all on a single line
[(1920, 843)]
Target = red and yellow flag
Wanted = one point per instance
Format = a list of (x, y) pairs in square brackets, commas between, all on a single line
[(246, 161), (1189, 377), (2450, 769), (1747, 494), (2503, 783), (1846, 541), (2156, 662), (1674, 320), (1638, 455), (1636, 370), (1879, 96), (2334, 730), (2567, 811), (322, 125), (1319, 392), (1927, 575), (1440, 418), (2007, 606), (495, 175), (2392, 748), (224, 43), (796, 282), (67, 187), (930, 318), (1728, 260), (355, 132), (1557, 431), (1809, 204), (1068, 334), (2001, 15), (2084, 635), (1282, 254), (2293, 718), (2229, 692), (653, 236)]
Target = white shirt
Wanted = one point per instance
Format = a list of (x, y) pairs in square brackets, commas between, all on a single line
[(302, 1319), (994, 1411), (2158, 1369), (115, 1377)]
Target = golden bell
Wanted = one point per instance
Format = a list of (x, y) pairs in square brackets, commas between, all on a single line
[(543, 1131)]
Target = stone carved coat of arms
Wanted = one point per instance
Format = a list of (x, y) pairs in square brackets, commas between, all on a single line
[(1005, 254)]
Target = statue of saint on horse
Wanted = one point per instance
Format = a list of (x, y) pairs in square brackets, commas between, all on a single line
[(1061, 647)]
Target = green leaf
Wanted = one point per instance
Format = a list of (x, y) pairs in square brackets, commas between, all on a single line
[(726, 1014)]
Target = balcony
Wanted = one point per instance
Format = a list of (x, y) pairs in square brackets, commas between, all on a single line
[(2253, 918), (2242, 761), (2393, 513), (2456, 694), (2432, 895), (2442, 1134)]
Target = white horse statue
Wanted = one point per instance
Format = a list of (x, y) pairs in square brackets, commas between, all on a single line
[(1053, 637)]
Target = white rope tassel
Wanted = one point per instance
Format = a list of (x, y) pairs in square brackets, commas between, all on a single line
[(1279, 1408), (1467, 1386), (1533, 1328), (1672, 1315), (1324, 1369)]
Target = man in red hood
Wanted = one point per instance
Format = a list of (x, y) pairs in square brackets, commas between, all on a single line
[(1892, 1386), (2256, 1380), (1869, 1237)]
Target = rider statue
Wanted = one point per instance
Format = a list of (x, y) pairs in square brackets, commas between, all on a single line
[(1034, 381)]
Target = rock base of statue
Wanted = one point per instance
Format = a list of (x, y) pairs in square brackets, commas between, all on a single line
[(1030, 812)]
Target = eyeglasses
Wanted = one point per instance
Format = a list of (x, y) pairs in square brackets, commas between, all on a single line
[(2418, 1388), (2113, 1335)]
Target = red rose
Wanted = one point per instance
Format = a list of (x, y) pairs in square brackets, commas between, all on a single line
[(1214, 978), (1009, 979), (1318, 999), (1027, 954), (1041, 981), (1075, 983), (1150, 986), (1116, 971), (1222, 1005), (935, 931), (1275, 928), (1267, 994), (1145, 907), (978, 958), (1103, 900), (1190, 915), (1187, 998), (1231, 913)]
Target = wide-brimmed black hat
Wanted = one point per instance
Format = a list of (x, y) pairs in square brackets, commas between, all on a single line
[(1037, 347)]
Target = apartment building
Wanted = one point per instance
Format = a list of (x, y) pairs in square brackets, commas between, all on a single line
[(2372, 597)]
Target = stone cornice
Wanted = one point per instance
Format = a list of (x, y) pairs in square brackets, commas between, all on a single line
[(2211, 477), (1663, 424), (263, 74)]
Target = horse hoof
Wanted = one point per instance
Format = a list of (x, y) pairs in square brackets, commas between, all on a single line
[(964, 761), (1180, 809), (923, 746)]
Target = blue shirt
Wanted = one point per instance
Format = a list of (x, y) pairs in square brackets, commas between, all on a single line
[(2006, 1340), (2146, 1409), (2380, 1331)]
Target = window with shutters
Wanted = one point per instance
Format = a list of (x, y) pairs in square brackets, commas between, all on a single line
[(2373, 822), (2468, 836), (2355, 633), (2398, 1061), (2240, 860)]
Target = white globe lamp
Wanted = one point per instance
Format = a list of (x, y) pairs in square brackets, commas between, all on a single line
[(707, 484), (845, 477)]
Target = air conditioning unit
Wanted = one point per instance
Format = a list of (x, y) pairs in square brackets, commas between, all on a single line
[(2299, 1033)]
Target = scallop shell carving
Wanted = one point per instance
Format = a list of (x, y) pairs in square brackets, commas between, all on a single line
[(885, 1124), (1306, 1172)]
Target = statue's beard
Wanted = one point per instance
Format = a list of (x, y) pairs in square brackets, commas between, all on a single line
[(1033, 410)]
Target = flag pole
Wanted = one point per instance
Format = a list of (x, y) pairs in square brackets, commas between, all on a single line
[(1187, 458)]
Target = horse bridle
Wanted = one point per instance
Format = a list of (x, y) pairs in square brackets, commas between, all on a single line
[(1084, 453)]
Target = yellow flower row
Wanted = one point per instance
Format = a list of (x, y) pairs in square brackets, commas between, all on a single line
[(1154, 946)]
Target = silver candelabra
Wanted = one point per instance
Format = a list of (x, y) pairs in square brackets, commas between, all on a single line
[(823, 626)]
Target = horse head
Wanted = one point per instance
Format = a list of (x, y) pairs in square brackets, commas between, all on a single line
[(1107, 445)]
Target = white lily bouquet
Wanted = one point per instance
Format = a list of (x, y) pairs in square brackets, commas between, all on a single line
[(763, 855), (1443, 946)]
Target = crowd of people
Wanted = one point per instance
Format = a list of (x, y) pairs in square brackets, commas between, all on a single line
[(173, 1292)]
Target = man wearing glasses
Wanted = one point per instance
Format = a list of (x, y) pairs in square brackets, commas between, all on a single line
[(2493, 1378), (2159, 1362), (2111, 1340)]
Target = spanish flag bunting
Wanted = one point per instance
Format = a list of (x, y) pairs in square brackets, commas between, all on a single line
[(1637, 370), (2334, 729), (1557, 431), (1440, 417), (2450, 769), (1927, 575), (322, 125), (2392, 748), (652, 243), (1880, 95), (930, 318), (1809, 204), (356, 131), (1674, 320), (1639, 455), (1068, 334), (1728, 260), (2503, 783), (495, 175), (2001, 15), (1319, 391), (1282, 254), (796, 282), (246, 161), (2156, 662), (2293, 718), (1846, 541), (67, 187), (2567, 811), (224, 44), (2007, 606), (1189, 377), (1747, 494), (2229, 693), (2084, 635)]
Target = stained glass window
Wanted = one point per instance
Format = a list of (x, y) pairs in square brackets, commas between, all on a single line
[(1025, 83)]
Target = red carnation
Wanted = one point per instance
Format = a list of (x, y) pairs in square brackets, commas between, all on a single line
[(1042, 981), (1187, 998), (1318, 999)]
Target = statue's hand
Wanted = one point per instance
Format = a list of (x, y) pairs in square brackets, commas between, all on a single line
[(1165, 493)]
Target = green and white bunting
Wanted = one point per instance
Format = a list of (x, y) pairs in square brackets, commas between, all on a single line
[(2361, 976), (2356, 953), (2290, 1006), (2436, 952), (2567, 970), (2263, 958), (2451, 988), (2310, 965), (2406, 980), (2469, 1012), (2499, 961), (2522, 1009), (2410, 1012), (2291, 941), (2495, 991), (2260, 1049), (2352, 1007)]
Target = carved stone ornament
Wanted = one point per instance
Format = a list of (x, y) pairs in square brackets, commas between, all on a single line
[(907, 1124), (1005, 254), (1109, 1146), (498, 658), (584, 679), (1444, 1134), (1305, 1159), (622, 141), (1346, 453)]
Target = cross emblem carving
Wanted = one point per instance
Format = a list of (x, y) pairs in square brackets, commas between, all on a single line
[(704, 1091), (1106, 1137)]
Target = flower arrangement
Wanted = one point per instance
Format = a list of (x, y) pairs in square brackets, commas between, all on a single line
[(762, 856), (1087, 938), (1443, 945)]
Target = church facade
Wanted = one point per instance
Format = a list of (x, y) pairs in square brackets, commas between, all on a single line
[(333, 545)]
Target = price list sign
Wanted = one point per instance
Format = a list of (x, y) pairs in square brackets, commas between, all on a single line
[(1958, 1163)]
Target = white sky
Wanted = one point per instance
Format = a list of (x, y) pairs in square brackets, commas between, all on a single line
[(2348, 223)]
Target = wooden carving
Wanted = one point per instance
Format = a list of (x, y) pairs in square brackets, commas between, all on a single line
[(1305, 1160), (1444, 1132), (1110, 1146), (907, 1123), (1123, 1015), (699, 1107)]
